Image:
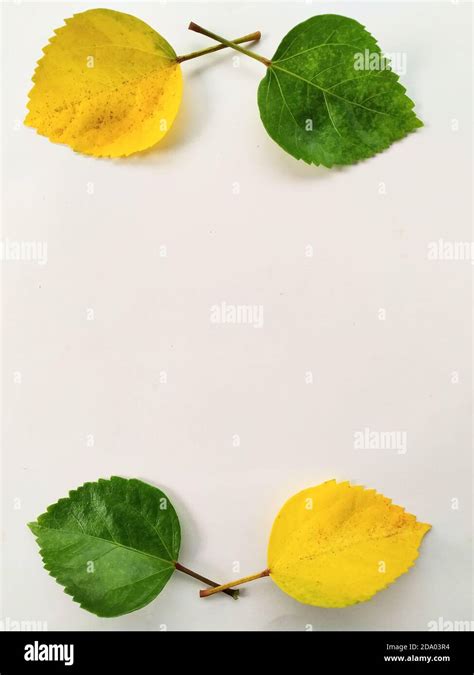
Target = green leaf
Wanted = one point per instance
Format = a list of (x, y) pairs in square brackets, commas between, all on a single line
[(112, 544), (329, 96)]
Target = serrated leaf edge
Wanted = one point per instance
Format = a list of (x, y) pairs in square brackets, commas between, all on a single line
[(367, 597), (34, 525), (418, 123), (44, 50)]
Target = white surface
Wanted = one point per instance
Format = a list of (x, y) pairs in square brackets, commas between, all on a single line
[(321, 314)]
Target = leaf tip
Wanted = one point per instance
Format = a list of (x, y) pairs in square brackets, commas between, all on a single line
[(425, 528)]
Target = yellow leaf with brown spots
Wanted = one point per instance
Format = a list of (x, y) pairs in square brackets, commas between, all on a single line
[(108, 85)]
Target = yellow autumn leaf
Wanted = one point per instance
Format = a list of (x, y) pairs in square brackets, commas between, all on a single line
[(336, 544), (108, 85)]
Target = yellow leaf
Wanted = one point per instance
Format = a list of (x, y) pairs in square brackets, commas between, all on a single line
[(108, 85), (336, 544)]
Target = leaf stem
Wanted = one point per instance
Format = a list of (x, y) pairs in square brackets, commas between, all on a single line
[(239, 582), (251, 37), (198, 29), (229, 591)]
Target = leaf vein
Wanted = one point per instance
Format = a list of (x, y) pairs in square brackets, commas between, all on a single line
[(331, 93), (127, 548), (311, 49)]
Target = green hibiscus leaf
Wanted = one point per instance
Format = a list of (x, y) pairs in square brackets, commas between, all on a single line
[(329, 96), (112, 544)]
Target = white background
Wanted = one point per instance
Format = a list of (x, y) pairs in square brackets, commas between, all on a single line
[(369, 225)]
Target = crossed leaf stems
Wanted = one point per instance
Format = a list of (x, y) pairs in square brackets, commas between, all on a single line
[(228, 43), (251, 37), (227, 588), (233, 44), (221, 588)]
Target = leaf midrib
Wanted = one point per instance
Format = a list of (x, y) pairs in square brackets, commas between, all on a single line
[(170, 563), (157, 54), (310, 49), (328, 91), (338, 548), (106, 88)]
